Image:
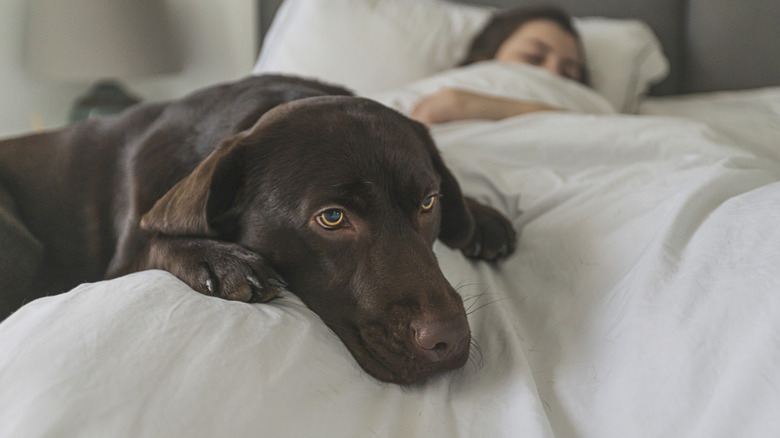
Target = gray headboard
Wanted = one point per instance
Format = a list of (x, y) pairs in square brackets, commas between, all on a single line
[(711, 44)]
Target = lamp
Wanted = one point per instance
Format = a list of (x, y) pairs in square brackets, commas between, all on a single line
[(99, 40)]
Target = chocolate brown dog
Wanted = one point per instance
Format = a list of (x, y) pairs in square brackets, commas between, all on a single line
[(245, 189)]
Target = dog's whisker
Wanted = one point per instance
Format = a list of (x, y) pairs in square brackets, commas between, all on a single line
[(476, 299), (472, 297), (463, 284), (470, 310), (475, 355), (460, 286)]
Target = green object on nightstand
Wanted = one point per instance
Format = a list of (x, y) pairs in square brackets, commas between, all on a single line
[(104, 98)]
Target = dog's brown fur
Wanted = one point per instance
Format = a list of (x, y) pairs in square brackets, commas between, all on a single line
[(226, 189)]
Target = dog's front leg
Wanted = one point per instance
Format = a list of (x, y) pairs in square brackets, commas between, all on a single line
[(213, 267)]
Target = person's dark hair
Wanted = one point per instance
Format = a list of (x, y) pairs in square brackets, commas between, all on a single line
[(503, 24)]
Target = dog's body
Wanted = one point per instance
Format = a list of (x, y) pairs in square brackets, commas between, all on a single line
[(337, 197)]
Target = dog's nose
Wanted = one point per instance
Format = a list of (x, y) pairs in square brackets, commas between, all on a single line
[(441, 339)]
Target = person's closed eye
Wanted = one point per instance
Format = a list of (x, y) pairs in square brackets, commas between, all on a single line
[(532, 58)]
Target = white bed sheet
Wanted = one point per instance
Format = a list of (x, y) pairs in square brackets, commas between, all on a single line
[(750, 118), (643, 301)]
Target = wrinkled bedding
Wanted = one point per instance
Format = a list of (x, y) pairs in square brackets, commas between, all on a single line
[(643, 301)]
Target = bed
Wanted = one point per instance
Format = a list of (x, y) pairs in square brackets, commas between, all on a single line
[(643, 299)]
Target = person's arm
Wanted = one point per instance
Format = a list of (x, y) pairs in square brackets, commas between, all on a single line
[(450, 104)]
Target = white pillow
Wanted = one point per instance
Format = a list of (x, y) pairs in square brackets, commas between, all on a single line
[(512, 80), (624, 59), (368, 45), (377, 45)]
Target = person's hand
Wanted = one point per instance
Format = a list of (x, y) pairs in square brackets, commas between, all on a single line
[(450, 104), (445, 105)]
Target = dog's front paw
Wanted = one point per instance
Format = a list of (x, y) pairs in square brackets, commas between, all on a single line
[(211, 267), (234, 273), (493, 238)]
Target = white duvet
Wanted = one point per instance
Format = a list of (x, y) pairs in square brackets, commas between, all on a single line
[(512, 80), (643, 301)]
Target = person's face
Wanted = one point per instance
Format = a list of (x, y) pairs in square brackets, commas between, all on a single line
[(545, 44)]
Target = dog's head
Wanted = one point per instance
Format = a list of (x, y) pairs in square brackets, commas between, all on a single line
[(345, 198)]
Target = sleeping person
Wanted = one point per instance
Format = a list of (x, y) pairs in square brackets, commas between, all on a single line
[(541, 36)]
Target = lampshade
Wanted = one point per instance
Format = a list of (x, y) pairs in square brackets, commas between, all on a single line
[(93, 39)]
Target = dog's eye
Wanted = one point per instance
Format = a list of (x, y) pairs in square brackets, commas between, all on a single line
[(427, 203), (332, 218)]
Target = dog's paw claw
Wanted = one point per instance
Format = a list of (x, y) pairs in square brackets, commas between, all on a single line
[(277, 283), (253, 282), (263, 293), (474, 250)]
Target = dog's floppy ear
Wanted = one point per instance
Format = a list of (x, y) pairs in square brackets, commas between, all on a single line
[(205, 197), (457, 222)]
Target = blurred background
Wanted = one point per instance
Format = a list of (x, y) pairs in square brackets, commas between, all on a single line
[(207, 42)]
